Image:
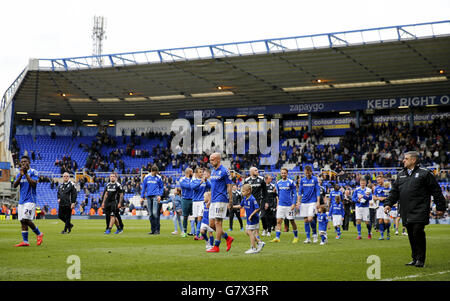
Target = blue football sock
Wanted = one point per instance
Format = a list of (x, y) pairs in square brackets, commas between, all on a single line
[(211, 240), (322, 237), (307, 230), (225, 235), (278, 233), (216, 243), (381, 228), (205, 237), (314, 227), (192, 227), (358, 228), (36, 231), (25, 236), (295, 233), (369, 228), (199, 224), (388, 227)]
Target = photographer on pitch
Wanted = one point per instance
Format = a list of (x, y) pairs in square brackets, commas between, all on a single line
[(413, 190)]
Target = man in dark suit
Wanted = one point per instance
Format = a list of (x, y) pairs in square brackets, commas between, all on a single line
[(413, 190)]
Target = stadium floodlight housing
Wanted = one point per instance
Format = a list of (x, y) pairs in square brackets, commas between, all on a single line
[(80, 99), (54, 114), (164, 114), (45, 119), (98, 35), (418, 80), (357, 85), (66, 120), (135, 98), (212, 94), (88, 120), (21, 113), (306, 88), (92, 114), (167, 97), (108, 99), (129, 115)]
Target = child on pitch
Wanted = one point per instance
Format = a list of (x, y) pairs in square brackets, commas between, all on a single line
[(322, 219), (337, 213), (252, 209), (204, 227), (387, 218), (177, 210)]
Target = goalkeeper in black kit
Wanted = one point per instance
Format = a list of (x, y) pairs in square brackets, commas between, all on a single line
[(112, 202)]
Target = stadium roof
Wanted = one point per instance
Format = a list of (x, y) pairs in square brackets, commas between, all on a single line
[(397, 61)]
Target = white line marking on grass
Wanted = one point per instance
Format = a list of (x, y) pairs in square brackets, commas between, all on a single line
[(414, 276)]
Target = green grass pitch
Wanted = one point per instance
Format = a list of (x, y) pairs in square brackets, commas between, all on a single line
[(135, 255)]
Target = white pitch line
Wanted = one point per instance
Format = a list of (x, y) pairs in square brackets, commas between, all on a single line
[(415, 276)]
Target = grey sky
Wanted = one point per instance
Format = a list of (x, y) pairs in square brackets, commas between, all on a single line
[(56, 29)]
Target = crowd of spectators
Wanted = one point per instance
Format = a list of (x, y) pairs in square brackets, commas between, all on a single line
[(370, 145), (15, 151), (383, 145), (365, 147), (66, 164)]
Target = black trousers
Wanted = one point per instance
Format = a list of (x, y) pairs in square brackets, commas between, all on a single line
[(274, 220), (417, 240), (116, 215), (373, 220), (65, 214), (267, 219), (237, 213), (346, 218)]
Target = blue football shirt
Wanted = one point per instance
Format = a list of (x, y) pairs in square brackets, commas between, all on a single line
[(250, 205), (220, 178), (286, 192), (309, 190), (27, 192)]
